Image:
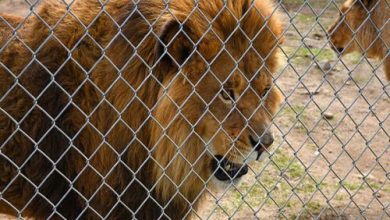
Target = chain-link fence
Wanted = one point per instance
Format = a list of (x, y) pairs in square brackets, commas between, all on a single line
[(171, 109)]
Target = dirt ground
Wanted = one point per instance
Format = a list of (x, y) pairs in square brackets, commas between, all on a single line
[(331, 158)]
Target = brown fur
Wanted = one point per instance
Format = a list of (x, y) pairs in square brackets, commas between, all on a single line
[(369, 19), (76, 136), (8, 23)]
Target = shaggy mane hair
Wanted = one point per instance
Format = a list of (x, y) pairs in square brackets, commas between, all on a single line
[(8, 23)]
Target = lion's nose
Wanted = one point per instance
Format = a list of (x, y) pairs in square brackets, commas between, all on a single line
[(262, 143), (340, 49)]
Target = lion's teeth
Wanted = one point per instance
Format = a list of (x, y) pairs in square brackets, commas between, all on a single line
[(227, 167)]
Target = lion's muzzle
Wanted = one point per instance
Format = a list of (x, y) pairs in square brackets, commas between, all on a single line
[(264, 142), (225, 170)]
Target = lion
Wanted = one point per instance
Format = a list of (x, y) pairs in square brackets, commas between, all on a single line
[(131, 110), (363, 26)]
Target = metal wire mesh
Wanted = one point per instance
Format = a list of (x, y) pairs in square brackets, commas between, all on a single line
[(113, 109)]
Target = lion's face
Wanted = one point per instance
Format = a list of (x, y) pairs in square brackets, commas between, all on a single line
[(351, 20), (241, 101), (228, 109), (218, 98)]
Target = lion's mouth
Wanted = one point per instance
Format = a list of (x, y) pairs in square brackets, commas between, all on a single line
[(338, 50), (225, 170)]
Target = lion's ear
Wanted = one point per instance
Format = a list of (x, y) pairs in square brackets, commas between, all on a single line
[(174, 44)]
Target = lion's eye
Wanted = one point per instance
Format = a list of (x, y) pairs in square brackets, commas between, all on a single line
[(265, 91), (227, 95)]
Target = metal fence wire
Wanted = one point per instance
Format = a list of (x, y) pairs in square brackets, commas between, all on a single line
[(197, 109)]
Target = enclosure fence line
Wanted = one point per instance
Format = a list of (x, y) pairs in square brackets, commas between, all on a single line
[(330, 152)]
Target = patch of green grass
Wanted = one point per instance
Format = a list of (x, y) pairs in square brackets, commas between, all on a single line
[(373, 185), (269, 184), (296, 114), (311, 146), (305, 18), (232, 201), (296, 60), (341, 197), (308, 186), (288, 165), (313, 207), (351, 186), (279, 179), (317, 53), (289, 204), (268, 180), (302, 55), (354, 58)]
